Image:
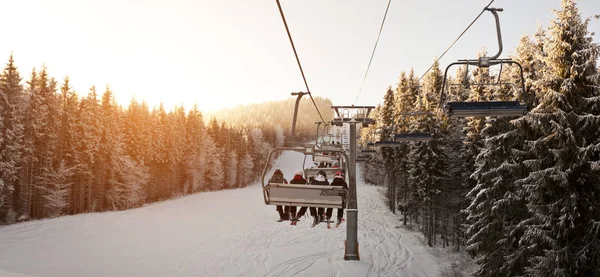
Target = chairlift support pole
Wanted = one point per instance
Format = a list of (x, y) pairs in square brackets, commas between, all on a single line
[(351, 249), (293, 133), (352, 210)]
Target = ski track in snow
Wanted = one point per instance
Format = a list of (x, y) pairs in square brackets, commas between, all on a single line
[(226, 233)]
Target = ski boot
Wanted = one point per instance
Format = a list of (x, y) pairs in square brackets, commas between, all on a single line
[(316, 221)]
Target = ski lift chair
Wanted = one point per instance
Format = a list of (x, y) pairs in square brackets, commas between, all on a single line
[(486, 108), (363, 158), (361, 116), (412, 136), (386, 143), (302, 195)]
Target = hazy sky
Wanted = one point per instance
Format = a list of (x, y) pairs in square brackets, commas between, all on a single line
[(225, 53)]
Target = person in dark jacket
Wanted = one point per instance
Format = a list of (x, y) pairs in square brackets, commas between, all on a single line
[(279, 179), (338, 180), (317, 213), (320, 180), (297, 180)]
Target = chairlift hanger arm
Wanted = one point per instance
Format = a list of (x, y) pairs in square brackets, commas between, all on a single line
[(293, 133), (495, 11), (317, 139)]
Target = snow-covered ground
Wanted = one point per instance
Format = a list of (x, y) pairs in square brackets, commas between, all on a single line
[(224, 233)]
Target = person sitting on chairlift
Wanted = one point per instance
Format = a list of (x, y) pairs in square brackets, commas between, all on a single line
[(316, 213), (279, 179), (338, 180), (297, 180)]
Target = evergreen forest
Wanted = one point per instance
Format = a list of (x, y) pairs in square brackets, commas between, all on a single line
[(520, 194)]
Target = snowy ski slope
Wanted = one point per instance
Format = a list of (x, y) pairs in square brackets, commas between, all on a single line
[(224, 233)]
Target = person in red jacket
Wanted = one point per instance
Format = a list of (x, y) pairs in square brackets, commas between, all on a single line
[(338, 180), (279, 179)]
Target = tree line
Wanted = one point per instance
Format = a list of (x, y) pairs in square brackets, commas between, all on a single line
[(63, 153), (280, 113), (522, 194)]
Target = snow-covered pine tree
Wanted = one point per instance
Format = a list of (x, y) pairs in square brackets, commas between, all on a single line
[(407, 93), (259, 151), (127, 185), (214, 174), (195, 133), (67, 151), (496, 209), (55, 187), (41, 137), (426, 171), (473, 141), (176, 146), (386, 133), (246, 165), (231, 167), (452, 138), (11, 139), (87, 146), (562, 138)]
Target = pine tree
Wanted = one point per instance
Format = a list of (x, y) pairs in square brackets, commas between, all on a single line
[(11, 139), (561, 187), (56, 188), (87, 145), (386, 133), (425, 159), (67, 151), (496, 210), (195, 156)]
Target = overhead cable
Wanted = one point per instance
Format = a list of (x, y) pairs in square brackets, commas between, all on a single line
[(461, 34), (298, 60), (373, 53)]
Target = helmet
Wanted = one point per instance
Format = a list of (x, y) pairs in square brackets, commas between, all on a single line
[(278, 172), (299, 172), (339, 174)]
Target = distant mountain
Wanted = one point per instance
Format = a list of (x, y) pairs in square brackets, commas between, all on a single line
[(277, 113)]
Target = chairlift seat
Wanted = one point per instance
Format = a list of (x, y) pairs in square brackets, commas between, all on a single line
[(305, 195), (331, 147), (412, 137), (387, 144), (493, 108), (326, 159), (337, 122), (362, 158)]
